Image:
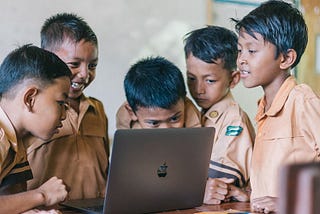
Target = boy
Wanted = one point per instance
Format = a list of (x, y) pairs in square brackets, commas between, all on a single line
[(156, 97), (33, 91), (211, 55), (272, 39), (79, 153)]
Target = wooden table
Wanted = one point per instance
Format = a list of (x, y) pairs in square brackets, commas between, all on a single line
[(240, 206)]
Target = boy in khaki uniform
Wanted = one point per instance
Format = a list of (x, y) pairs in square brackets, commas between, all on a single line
[(156, 97), (34, 85), (79, 152), (211, 54), (272, 39)]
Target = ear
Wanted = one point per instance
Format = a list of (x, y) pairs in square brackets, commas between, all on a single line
[(288, 59), (29, 97), (131, 112), (235, 78)]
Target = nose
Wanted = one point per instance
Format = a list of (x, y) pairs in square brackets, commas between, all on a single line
[(84, 72), (200, 89), (241, 59), (165, 125)]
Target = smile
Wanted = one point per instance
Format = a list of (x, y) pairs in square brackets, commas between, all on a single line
[(76, 85)]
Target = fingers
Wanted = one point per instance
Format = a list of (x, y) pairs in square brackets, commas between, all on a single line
[(264, 204), (216, 190), (238, 193), (53, 191)]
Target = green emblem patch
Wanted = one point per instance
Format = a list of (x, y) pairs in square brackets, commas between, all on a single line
[(233, 130)]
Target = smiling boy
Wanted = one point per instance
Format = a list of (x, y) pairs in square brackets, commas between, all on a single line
[(83, 141)]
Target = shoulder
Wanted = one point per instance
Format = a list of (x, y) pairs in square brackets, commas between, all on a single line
[(192, 114), (95, 105), (304, 91), (123, 119), (95, 101), (302, 94)]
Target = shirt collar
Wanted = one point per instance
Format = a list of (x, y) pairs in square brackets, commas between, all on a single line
[(278, 101), (219, 107), (9, 131)]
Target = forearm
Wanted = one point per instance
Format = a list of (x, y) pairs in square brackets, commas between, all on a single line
[(21, 202)]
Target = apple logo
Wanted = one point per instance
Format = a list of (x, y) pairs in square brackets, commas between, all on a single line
[(162, 170)]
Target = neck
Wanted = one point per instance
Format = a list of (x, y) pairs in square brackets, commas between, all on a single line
[(272, 89), (74, 104)]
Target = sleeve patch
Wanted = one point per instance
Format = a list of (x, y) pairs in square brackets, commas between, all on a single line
[(233, 130)]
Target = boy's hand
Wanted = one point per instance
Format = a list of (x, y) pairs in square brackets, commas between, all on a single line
[(238, 194), (216, 190), (53, 191), (265, 204), (36, 211)]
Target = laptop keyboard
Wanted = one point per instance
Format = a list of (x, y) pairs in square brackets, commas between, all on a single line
[(97, 208)]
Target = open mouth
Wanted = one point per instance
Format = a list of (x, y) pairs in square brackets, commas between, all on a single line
[(244, 72), (76, 85)]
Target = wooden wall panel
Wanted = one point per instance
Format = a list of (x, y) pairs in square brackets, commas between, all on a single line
[(306, 71)]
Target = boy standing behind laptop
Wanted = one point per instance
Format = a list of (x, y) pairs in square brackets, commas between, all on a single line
[(79, 153), (211, 55), (156, 97)]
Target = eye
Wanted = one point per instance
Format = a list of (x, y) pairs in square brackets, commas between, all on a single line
[(73, 64), (92, 66), (189, 78), (175, 119), (153, 123), (252, 51), (63, 104), (210, 81)]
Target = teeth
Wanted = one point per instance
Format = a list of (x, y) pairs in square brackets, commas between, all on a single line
[(245, 72), (76, 85)]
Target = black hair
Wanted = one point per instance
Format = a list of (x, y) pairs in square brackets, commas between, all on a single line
[(279, 23), (154, 82), (30, 62), (212, 43), (62, 26)]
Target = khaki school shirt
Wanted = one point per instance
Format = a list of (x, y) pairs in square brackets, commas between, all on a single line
[(192, 117), (14, 167), (287, 133), (233, 141), (78, 154)]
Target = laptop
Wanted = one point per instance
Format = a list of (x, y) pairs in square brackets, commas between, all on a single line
[(154, 170)]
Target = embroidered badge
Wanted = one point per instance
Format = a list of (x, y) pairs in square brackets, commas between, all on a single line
[(213, 114), (233, 130)]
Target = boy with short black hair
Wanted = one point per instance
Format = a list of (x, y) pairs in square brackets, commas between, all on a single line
[(34, 86), (156, 97), (83, 141), (211, 54), (272, 39)]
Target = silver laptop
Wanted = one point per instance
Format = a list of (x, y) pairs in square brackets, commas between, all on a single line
[(153, 170)]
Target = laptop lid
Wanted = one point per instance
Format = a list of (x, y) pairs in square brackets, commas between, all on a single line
[(153, 170)]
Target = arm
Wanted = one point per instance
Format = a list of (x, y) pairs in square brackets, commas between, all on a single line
[(50, 193), (232, 151)]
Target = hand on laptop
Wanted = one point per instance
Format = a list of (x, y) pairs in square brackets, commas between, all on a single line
[(220, 190), (53, 191)]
